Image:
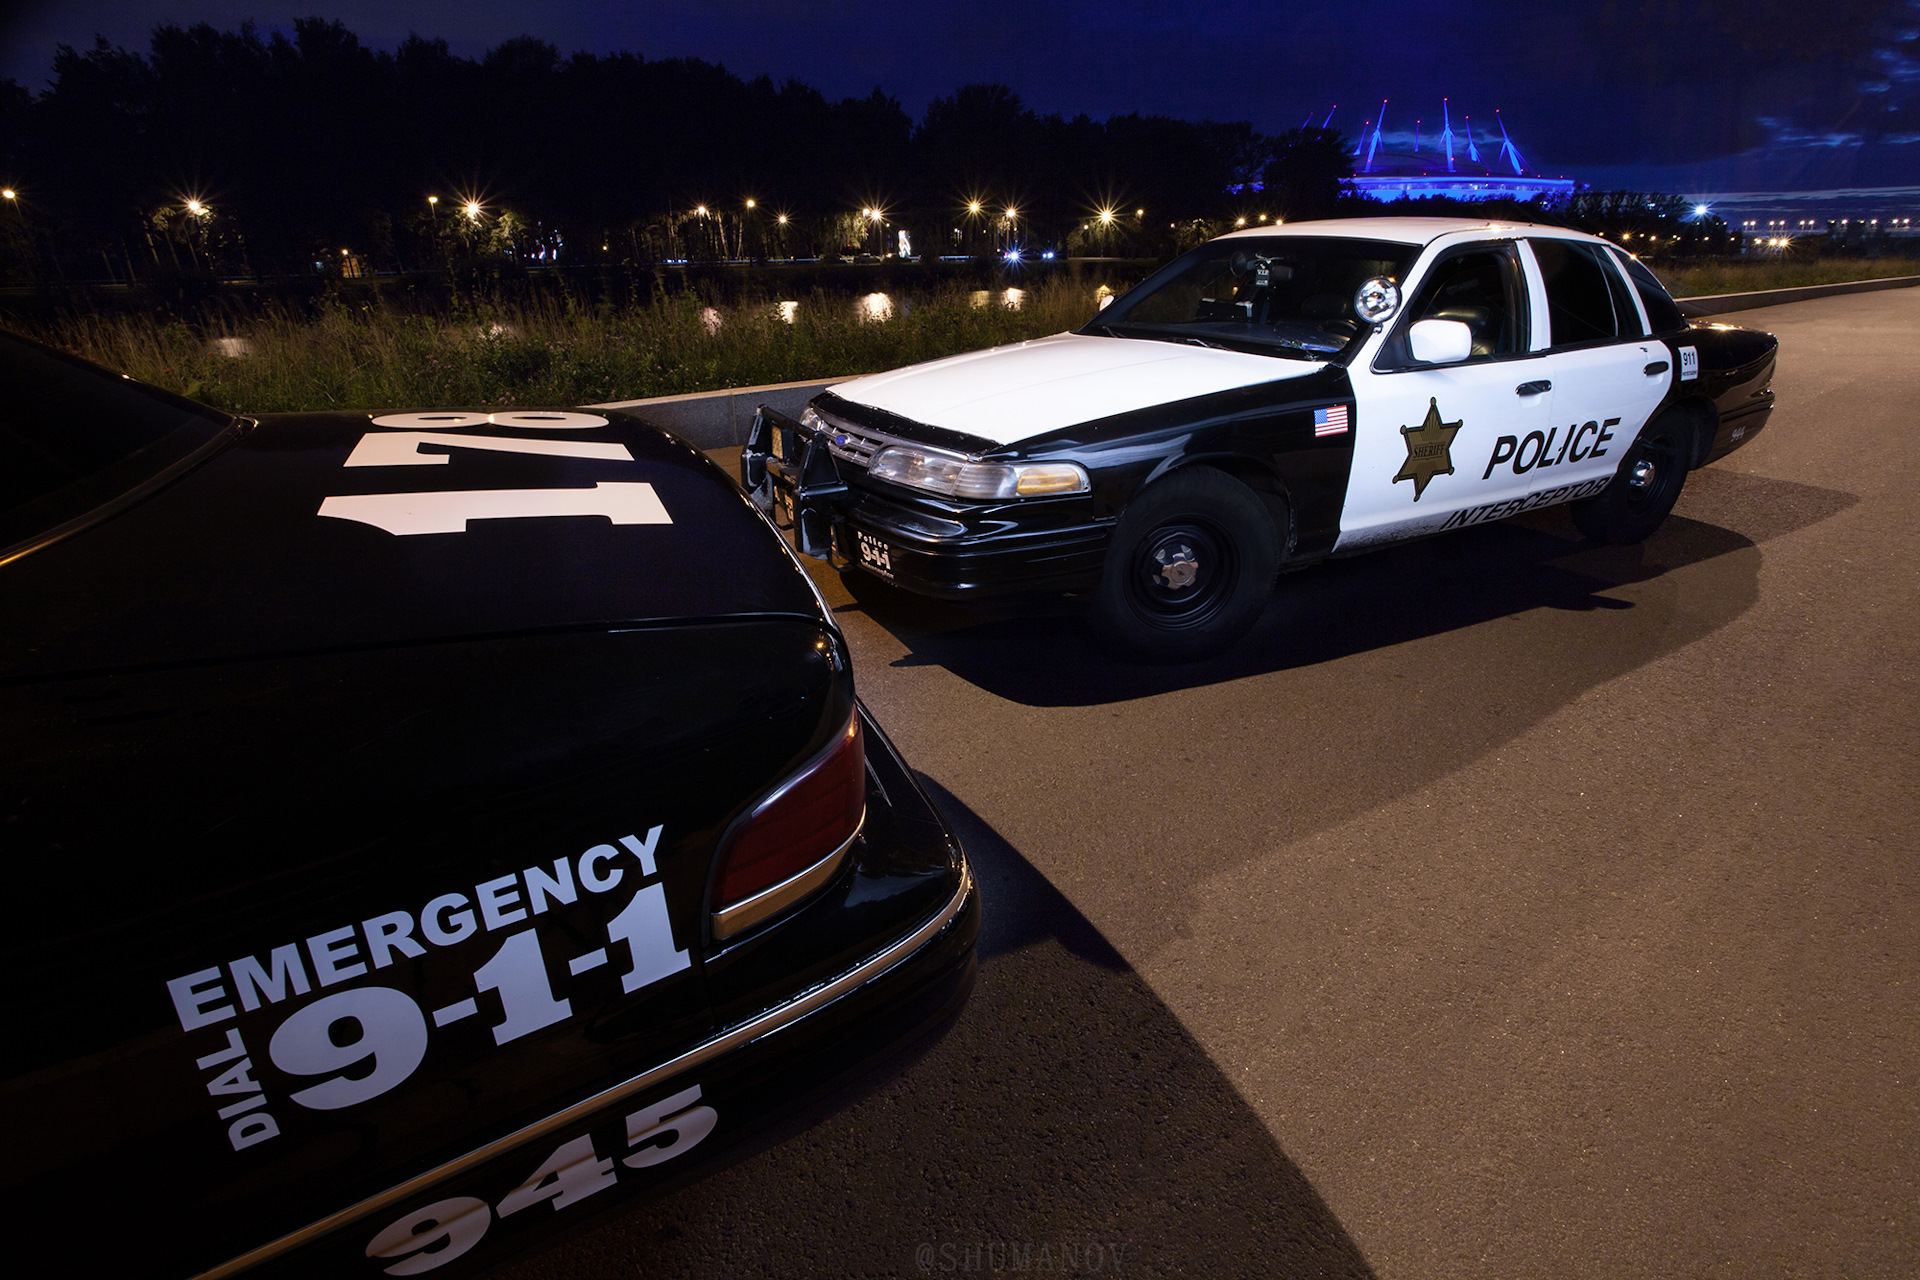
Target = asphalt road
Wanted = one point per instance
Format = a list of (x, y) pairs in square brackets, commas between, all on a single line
[(1503, 906)]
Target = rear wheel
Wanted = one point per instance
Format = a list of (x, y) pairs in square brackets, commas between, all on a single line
[(1643, 490), (1190, 567)]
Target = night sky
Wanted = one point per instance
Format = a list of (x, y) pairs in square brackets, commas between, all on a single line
[(1683, 95)]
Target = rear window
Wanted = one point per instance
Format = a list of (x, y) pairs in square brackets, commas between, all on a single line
[(74, 436), (1663, 313), (1580, 304)]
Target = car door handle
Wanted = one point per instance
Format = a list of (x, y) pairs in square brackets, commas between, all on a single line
[(1657, 367), (1533, 388)]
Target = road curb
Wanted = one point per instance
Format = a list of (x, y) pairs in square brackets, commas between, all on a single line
[(1719, 304)]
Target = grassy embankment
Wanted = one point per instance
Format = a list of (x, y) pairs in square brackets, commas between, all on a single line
[(1744, 275), (547, 352)]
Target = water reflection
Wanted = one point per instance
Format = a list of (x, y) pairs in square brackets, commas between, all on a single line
[(1011, 299), (873, 308)]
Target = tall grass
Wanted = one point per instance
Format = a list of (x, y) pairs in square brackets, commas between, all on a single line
[(556, 351), (550, 351), (1743, 275)]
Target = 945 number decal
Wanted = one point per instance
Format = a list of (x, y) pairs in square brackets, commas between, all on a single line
[(436, 1234)]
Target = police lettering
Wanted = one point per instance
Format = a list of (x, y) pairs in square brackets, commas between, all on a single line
[(1536, 450)]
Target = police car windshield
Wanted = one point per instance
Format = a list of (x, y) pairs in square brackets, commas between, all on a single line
[(1287, 296)]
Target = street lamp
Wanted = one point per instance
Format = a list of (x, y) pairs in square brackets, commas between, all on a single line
[(473, 211), (9, 193)]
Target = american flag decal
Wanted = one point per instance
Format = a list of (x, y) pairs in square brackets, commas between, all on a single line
[(1331, 421)]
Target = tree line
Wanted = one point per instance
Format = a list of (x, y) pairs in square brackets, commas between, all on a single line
[(224, 152)]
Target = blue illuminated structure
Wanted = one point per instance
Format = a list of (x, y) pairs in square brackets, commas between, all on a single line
[(1388, 174)]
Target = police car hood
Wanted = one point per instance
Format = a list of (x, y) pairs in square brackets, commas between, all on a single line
[(326, 531), (1013, 393)]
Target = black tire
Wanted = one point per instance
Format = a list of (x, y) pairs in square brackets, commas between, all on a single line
[(1644, 489), (1190, 567)]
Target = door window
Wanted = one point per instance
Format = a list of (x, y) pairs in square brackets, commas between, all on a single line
[(1585, 301), (1476, 288)]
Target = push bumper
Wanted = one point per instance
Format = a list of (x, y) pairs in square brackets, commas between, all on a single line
[(946, 550)]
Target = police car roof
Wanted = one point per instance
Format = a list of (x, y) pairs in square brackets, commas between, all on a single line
[(1419, 231)]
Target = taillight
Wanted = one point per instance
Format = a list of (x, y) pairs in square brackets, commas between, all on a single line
[(794, 842)]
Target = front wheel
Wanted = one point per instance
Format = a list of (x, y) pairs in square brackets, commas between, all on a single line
[(1643, 491), (1190, 567)]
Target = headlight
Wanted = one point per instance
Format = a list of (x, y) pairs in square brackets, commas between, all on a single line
[(955, 476)]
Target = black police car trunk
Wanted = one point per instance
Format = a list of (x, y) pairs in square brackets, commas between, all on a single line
[(353, 850)]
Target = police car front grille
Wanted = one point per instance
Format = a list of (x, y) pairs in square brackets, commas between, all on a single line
[(853, 446)]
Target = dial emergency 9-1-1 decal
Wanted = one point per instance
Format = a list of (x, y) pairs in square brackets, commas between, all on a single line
[(353, 1045)]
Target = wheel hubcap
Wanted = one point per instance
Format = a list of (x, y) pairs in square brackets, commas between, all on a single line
[(1642, 474), (1183, 572), (1178, 567)]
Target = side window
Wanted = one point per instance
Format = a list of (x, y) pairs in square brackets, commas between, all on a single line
[(1580, 304), (1478, 289), (1662, 312)]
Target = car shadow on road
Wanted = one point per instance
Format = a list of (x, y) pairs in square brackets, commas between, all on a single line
[(1047, 656), (1065, 1122)]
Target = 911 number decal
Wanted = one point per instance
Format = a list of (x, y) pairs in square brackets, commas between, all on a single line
[(354, 1045), (438, 1233)]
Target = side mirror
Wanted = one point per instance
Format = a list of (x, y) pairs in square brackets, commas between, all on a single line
[(1440, 341)]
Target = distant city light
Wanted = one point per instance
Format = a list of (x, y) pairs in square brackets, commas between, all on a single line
[(783, 219), (701, 210), (1048, 255), (973, 206), (195, 208), (473, 210), (749, 204), (1011, 255), (1701, 210), (1106, 217)]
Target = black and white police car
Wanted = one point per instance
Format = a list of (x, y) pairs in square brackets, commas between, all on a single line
[(416, 827), (1272, 398)]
